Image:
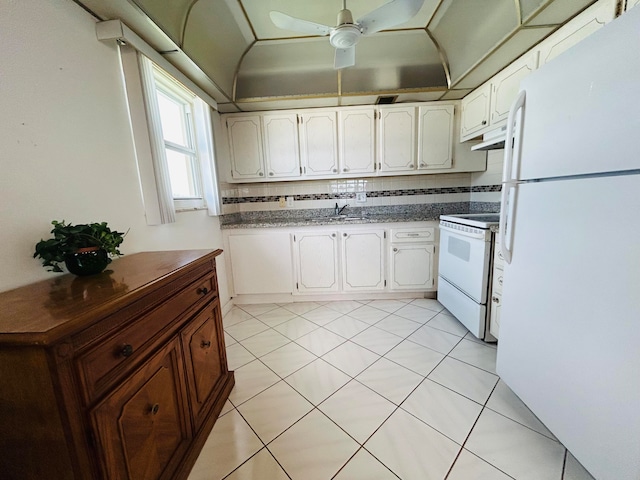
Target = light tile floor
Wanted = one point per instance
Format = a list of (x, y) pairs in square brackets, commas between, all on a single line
[(371, 390)]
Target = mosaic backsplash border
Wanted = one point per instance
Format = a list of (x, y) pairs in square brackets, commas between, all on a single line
[(373, 194)]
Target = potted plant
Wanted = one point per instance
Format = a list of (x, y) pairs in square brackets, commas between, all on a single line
[(85, 249)]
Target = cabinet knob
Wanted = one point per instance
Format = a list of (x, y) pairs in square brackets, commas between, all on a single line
[(126, 350), (395, 249), (422, 165), (154, 408), (261, 174), (202, 291), (495, 299), (412, 167), (335, 170), (333, 235), (344, 234), (345, 169), (205, 344), (484, 122), (271, 174)]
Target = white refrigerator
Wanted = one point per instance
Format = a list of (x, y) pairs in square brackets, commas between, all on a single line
[(569, 343)]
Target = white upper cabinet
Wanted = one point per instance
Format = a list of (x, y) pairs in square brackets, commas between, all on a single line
[(475, 112), (245, 145), (435, 136), (282, 157), (396, 139), (577, 29), (319, 143), (506, 85), (356, 141)]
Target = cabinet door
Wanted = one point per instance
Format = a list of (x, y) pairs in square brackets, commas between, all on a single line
[(261, 263), (577, 29), (412, 267), (474, 112), (506, 85), (397, 139), (202, 347), (141, 427), (435, 137), (245, 144), (356, 141), (319, 143), (496, 308), (317, 262), (363, 260), (282, 158)]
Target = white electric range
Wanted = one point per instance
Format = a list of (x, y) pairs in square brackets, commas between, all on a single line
[(465, 262)]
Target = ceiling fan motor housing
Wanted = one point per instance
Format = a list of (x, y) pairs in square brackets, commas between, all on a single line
[(346, 34)]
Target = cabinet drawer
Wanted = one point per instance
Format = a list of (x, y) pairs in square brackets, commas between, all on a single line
[(413, 235), (101, 365)]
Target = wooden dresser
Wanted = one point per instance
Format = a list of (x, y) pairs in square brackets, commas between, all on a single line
[(120, 375)]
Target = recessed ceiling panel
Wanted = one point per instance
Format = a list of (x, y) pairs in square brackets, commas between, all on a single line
[(394, 61), (324, 12), (467, 30), (520, 42), (559, 12), (214, 41), (527, 7), (169, 16)]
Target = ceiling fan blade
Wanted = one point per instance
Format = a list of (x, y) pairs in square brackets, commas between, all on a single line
[(389, 15), (345, 57), (287, 22)]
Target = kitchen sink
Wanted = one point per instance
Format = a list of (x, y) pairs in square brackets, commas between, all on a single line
[(339, 218)]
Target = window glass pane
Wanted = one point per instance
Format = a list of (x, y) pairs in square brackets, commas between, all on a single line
[(183, 175), (172, 116)]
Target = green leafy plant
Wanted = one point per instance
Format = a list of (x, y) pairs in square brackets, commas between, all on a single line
[(68, 238)]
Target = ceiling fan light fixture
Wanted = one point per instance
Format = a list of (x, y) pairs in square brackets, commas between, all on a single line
[(345, 36)]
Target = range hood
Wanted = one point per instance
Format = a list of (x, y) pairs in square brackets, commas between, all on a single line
[(493, 140)]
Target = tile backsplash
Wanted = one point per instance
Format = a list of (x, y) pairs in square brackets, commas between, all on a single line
[(480, 191)]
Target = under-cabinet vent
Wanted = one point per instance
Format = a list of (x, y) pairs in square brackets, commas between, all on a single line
[(386, 100)]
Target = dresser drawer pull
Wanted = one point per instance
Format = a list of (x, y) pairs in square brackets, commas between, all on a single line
[(126, 350), (155, 408), (202, 291), (205, 344)]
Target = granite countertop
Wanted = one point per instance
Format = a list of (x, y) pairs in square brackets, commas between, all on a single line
[(353, 216)]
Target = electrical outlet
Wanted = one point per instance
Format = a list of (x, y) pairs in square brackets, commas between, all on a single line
[(289, 202), (282, 202), (361, 197)]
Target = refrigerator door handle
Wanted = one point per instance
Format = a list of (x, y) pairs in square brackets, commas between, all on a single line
[(507, 212), (517, 105)]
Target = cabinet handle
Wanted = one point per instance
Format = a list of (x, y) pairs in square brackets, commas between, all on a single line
[(345, 169), (126, 350), (335, 170), (261, 174), (344, 234), (154, 408), (333, 235), (484, 122), (395, 249), (202, 291), (271, 174), (500, 281), (495, 299), (412, 167), (422, 165), (205, 344)]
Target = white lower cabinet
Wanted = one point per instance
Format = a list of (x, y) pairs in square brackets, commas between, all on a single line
[(316, 255), (261, 262), (411, 267), (496, 289), (363, 260)]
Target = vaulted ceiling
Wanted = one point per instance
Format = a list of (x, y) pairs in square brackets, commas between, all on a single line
[(232, 49)]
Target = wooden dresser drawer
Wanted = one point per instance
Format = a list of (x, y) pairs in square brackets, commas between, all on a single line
[(100, 366)]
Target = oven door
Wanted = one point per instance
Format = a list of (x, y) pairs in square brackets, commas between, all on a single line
[(464, 260)]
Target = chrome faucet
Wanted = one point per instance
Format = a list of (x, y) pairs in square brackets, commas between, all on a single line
[(342, 209)]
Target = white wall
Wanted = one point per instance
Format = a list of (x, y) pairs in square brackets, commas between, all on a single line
[(67, 151)]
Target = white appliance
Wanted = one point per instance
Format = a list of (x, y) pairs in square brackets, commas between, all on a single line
[(466, 244), (570, 324)]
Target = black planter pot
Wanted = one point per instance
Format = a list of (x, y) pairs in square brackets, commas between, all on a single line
[(87, 261)]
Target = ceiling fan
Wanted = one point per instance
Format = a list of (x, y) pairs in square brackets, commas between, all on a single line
[(346, 34)]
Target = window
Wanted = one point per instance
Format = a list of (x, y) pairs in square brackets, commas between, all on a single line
[(176, 109)]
